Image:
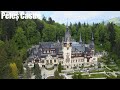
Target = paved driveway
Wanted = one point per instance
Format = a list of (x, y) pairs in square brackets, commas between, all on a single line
[(46, 73)]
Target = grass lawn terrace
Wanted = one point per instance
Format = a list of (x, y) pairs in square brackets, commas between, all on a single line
[(94, 76)]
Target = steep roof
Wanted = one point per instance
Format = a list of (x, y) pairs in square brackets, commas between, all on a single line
[(76, 46)]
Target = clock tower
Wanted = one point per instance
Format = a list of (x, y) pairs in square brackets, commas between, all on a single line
[(67, 49)]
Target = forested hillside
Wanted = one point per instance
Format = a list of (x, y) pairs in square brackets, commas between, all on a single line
[(17, 36)]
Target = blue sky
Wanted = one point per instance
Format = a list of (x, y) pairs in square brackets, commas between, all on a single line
[(77, 16), (82, 16)]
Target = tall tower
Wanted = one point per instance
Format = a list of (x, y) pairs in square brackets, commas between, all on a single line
[(80, 39), (92, 45), (67, 48)]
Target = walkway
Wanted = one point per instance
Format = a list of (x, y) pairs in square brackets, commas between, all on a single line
[(46, 73), (66, 76)]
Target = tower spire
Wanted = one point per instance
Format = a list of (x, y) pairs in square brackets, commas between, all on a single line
[(80, 39), (67, 34), (67, 23), (92, 37), (92, 42)]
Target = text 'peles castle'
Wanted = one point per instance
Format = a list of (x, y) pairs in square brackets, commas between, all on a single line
[(68, 52)]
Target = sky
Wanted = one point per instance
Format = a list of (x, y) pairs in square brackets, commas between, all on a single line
[(78, 16), (82, 16)]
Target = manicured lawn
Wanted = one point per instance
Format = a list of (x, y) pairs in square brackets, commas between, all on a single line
[(107, 70), (97, 75), (97, 71), (70, 73), (85, 76), (111, 77), (113, 67), (94, 76)]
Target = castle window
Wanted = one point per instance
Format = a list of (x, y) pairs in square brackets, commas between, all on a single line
[(87, 60), (42, 61), (44, 52), (54, 60), (81, 60), (76, 60), (50, 61)]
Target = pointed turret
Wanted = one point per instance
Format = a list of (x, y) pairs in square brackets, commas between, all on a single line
[(67, 34), (80, 39), (92, 42), (58, 41), (92, 37)]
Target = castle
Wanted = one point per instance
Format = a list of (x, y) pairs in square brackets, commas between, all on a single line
[(68, 52)]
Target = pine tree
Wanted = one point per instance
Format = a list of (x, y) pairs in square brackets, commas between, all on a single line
[(59, 68)]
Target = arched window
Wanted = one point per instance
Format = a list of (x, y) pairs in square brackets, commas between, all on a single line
[(50, 61), (44, 51), (47, 61), (67, 58), (87, 60)]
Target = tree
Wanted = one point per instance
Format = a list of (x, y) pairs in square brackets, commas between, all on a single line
[(28, 72), (37, 71), (4, 63), (49, 33), (59, 68), (50, 21), (8, 28), (77, 76), (110, 27), (79, 25), (117, 40), (14, 70), (39, 26), (1, 43), (44, 18), (20, 38), (31, 33), (56, 75)]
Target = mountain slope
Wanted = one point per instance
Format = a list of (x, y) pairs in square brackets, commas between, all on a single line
[(114, 20)]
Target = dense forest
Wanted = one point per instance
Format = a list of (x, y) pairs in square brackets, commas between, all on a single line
[(17, 36)]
